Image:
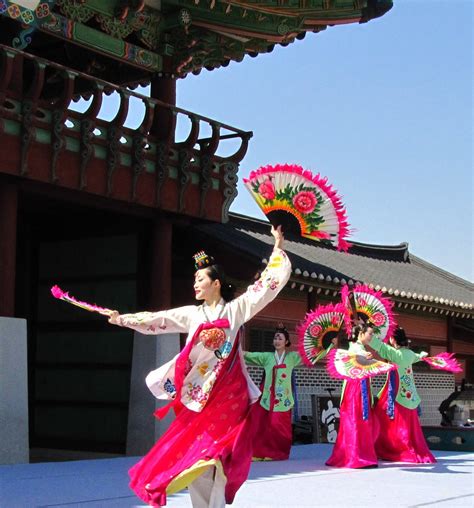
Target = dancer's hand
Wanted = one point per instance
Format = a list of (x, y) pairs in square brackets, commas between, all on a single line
[(279, 237), (114, 318)]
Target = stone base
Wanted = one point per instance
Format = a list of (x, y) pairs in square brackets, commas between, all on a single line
[(14, 446)]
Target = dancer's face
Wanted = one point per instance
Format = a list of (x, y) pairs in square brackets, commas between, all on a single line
[(204, 287), (366, 336), (279, 341)]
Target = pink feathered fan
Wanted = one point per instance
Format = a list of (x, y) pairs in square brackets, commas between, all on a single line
[(317, 332), (58, 293), (300, 202), (363, 303)]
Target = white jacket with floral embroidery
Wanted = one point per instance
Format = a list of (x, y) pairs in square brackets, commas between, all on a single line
[(204, 366)]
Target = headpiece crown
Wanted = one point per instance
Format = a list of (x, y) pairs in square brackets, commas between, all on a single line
[(202, 260)]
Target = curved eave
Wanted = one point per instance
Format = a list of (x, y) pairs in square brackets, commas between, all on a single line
[(378, 8), (331, 286), (249, 34)]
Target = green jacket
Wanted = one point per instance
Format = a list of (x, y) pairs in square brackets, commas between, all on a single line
[(283, 394), (403, 358)]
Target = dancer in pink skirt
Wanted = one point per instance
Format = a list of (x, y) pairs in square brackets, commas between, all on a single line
[(208, 447)]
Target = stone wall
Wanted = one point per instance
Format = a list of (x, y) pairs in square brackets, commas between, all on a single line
[(433, 387)]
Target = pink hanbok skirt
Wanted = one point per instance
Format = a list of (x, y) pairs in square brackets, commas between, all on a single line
[(273, 434), (220, 435), (354, 447), (400, 439)]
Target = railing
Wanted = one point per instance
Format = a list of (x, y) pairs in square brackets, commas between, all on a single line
[(40, 111)]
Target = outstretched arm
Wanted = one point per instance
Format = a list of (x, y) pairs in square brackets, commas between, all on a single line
[(267, 287), (152, 323)]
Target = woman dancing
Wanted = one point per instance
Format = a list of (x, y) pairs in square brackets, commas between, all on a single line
[(208, 446), (400, 437), (354, 445), (272, 415)]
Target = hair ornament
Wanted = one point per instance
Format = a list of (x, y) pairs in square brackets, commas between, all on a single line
[(202, 260)]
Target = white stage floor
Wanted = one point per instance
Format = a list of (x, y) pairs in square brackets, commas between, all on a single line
[(302, 481)]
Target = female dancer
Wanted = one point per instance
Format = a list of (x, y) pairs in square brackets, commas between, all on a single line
[(354, 445), (400, 436), (272, 416), (208, 445)]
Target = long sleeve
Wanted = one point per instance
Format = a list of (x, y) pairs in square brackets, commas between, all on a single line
[(167, 321), (403, 358), (297, 359), (265, 289), (398, 356), (386, 351), (255, 358)]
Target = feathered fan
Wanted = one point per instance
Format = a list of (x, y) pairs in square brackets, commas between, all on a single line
[(58, 293), (369, 305), (300, 201), (443, 361), (345, 365), (316, 332)]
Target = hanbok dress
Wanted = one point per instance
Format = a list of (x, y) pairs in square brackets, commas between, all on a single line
[(400, 437), (354, 447), (210, 391), (272, 416)]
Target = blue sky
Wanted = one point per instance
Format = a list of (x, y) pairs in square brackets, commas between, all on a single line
[(383, 109)]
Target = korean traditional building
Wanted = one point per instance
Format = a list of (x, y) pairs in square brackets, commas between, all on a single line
[(111, 213)]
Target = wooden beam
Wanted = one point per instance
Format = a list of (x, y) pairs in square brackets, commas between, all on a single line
[(8, 238)]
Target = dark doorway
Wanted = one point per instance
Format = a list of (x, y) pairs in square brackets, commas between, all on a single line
[(79, 366)]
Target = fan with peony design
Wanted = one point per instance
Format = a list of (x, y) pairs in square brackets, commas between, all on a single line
[(300, 202), (318, 331), (363, 303)]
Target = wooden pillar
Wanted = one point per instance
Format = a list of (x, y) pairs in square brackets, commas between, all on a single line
[(164, 89), (8, 236), (151, 351), (160, 269), (449, 335)]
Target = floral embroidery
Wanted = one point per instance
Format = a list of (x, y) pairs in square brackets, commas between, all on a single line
[(218, 367), (196, 393), (202, 368), (169, 387), (188, 367)]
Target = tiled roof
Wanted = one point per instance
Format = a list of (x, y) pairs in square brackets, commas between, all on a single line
[(391, 269)]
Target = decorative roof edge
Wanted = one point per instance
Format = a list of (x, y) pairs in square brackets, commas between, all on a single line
[(403, 299)]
